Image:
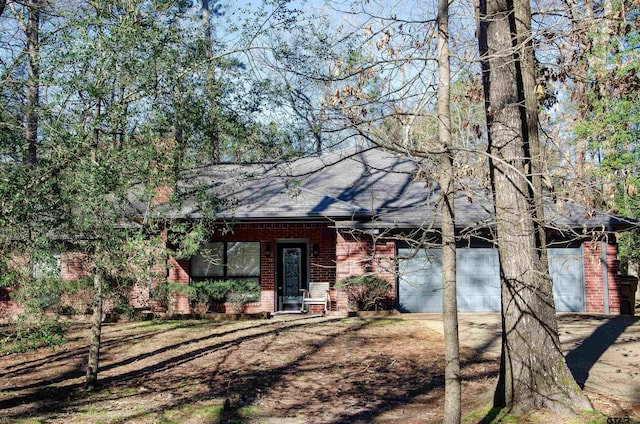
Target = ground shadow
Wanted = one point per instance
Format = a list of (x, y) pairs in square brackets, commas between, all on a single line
[(51, 398), (371, 383), (581, 359)]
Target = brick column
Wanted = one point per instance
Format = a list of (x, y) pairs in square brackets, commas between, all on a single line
[(613, 268), (267, 274), (179, 273), (594, 277), (360, 254)]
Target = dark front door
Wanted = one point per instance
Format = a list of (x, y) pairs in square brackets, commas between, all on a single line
[(292, 274)]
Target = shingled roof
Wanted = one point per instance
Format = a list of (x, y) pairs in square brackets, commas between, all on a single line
[(350, 187)]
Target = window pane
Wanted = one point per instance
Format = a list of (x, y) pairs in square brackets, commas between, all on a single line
[(47, 266), (208, 262), (243, 259)]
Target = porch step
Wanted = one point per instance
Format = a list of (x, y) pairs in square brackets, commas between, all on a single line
[(291, 312)]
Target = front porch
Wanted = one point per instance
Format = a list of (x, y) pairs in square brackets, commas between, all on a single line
[(286, 259)]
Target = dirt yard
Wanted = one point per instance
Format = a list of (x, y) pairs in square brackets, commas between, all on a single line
[(294, 369)]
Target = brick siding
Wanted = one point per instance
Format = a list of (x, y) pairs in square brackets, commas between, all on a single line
[(359, 254), (321, 267), (340, 254), (179, 273), (593, 283), (73, 265)]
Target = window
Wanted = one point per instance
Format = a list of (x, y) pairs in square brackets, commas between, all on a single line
[(46, 266), (227, 261), (209, 261)]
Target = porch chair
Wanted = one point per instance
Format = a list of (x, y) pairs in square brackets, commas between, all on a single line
[(318, 294)]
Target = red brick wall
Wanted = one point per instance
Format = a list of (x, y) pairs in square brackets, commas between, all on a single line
[(18, 263), (321, 267), (230, 308), (594, 293), (179, 273), (73, 265), (8, 308), (359, 254), (340, 255)]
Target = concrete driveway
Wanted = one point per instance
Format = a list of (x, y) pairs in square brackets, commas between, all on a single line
[(603, 352)]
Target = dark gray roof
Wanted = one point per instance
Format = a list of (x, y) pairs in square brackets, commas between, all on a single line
[(344, 185), (372, 185)]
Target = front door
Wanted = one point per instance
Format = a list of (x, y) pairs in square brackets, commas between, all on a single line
[(292, 275)]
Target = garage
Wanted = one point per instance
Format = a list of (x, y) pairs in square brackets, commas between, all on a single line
[(478, 279), (566, 269)]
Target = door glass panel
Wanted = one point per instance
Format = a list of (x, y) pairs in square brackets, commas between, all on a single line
[(291, 270)]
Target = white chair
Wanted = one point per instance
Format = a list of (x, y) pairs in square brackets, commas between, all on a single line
[(318, 294)]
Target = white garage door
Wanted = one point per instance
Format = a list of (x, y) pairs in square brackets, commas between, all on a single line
[(478, 280)]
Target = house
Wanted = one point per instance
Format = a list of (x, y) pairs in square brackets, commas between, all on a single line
[(325, 218)]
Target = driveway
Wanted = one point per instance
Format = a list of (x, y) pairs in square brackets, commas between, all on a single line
[(603, 352)]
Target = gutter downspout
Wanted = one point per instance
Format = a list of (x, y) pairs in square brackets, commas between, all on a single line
[(605, 276), (605, 270)]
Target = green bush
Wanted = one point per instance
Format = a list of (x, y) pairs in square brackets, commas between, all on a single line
[(211, 291), (47, 294), (365, 292), (242, 292), (239, 292), (29, 334), (123, 307), (182, 289), (161, 295), (67, 310)]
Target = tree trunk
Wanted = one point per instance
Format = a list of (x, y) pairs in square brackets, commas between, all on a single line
[(533, 372), (33, 83), (452, 405), (533, 151), (91, 378)]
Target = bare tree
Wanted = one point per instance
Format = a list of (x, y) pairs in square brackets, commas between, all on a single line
[(28, 16), (574, 35), (533, 372), (452, 394)]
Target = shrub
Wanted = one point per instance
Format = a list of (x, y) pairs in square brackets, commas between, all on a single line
[(67, 310), (205, 292), (242, 292), (165, 294), (211, 291), (161, 295), (221, 291), (122, 306), (29, 333), (365, 292), (49, 294)]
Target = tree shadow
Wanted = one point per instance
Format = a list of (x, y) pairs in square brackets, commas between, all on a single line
[(231, 374), (29, 366), (80, 354), (50, 398), (581, 359)]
